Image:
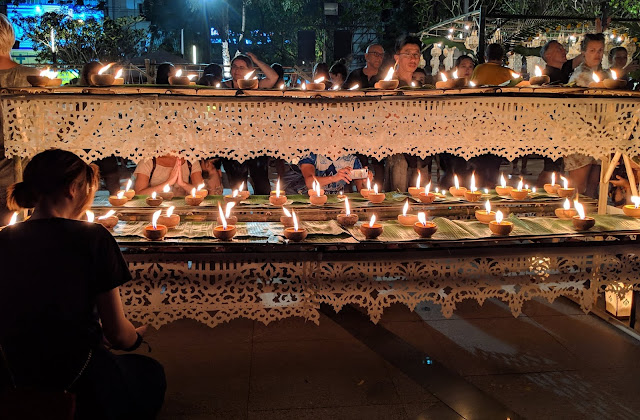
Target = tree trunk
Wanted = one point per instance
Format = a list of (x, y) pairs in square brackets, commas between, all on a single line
[(244, 21)]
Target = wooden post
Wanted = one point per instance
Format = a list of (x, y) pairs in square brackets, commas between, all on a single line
[(17, 168), (605, 172), (632, 179)]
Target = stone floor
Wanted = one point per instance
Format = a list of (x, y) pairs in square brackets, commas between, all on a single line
[(553, 362)]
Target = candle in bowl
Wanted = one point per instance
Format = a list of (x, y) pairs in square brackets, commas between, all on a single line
[(118, 199), (388, 83), (317, 84), (485, 216), (553, 187), (128, 192), (472, 195), (407, 219), (565, 212), (341, 195), (166, 193), (632, 210), (179, 80), (426, 196), (12, 221), (582, 222), (155, 232), (614, 82), (365, 191), (231, 220), (520, 193), (500, 227), (423, 228), (565, 191), (596, 81), (295, 233), (539, 78), (193, 199), (243, 193), (249, 81), (108, 220), (170, 219), (47, 78), (286, 219), (102, 79), (317, 197), (374, 196), (347, 218), (154, 200), (233, 197), (277, 197), (453, 83), (371, 230), (118, 80), (503, 188), (457, 190), (415, 191), (315, 189), (224, 232), (202, 191)]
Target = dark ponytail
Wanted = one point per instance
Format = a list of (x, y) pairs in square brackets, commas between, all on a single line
[(48, 177)]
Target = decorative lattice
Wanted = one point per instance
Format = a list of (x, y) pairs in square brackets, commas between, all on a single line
[(195, 127)]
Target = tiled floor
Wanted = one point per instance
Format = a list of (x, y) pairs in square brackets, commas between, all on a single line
[(553, 362)]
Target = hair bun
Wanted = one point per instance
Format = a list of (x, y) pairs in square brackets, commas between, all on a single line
[(21, 196)]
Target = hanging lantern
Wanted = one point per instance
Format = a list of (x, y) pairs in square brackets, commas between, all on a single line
[(616, 305)]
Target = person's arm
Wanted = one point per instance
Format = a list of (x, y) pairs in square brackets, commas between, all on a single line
[(196, 179), (270, 75), (577, 60), (142, 185), (309, 174), (118, 330)]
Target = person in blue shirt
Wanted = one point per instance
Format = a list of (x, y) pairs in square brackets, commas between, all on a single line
[(333, 174)]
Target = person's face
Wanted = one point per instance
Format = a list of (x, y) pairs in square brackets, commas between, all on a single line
[(557, 53), (239, 69), (336, 79), (420, 78), (593, 54), (465, 68), (374, 56), (408, 58), (619, 60)]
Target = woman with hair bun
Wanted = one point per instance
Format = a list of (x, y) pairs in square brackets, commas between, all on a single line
[(60, 301)]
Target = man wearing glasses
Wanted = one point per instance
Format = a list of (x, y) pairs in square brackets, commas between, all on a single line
[(368, 75), (408, 53)]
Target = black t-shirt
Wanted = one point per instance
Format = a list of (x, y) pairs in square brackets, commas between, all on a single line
[(357, 77), (559, 75), (52, 272)]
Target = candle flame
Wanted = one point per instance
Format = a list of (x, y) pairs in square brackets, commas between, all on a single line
[(241, 186), (222, 218), (614, 75), (120, 194), (166, 188), (503, 182), (553, 178), (455, 74), (191, 76), (422, 218), (413, 84), (128, 185), (217, 85), (418, 181), (373, 220), (520, 185), (105, 68), (354, 87), (119, 74), (565, 182), (472, 84), (278, 188), (538, 71), (248, 75), (389, 75), (456, 182), (595, 77), (286, 212), (179, 73), (14, 218), (346, 206), (90, 216), (107, 215), (153, 195), (405, 208), (154, 219), (170, 211), (319, 80), (636, 201), (234, 193), (193, 192), (443, 77), (368, 184), (534, 189), (567, 204), (282, 86), (375, 188), (201, 186), (227, 210), (49, 73), (487, 206), (295, 220), (473, 182), (580, 208), (304, 86), (427, 188), (499, 217), (316, 188), (515, 75)]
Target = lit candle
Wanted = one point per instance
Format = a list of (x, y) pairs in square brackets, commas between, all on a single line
[(119, 199), (565, 191), (539, 78), (248, 75), (472, 195), (295, 234), (347, 219), (108, 220), (286, 219), (388, 82), (457, 190), (633, 209), (317, 198), (372, 221), (375, 196), (423, 228), (154, 200), (500, 227), (90, 216), (166, 193), (14, 219), (407, 219), (520, 193), (582, 221), (170, 220), (414, 191), (553, 187), (193, 199), (485, 216), (225, 232), (201, 191), (276, 198), (155, 232), (354, 87), (319, 80), (426, 196)]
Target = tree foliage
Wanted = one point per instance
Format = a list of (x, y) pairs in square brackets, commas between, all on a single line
[(79, 41)]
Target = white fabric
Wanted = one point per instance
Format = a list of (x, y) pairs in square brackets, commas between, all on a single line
[(161, 173)]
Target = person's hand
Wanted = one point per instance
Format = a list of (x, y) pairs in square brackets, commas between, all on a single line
[(620, 182), (142, 330), (370, 173), (253, 57), (344, 174), (174, 176)]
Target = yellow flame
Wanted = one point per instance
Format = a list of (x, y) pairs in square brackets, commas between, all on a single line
[(565, 182), (520, 185), (368, 184), (346, 206), (278, 188), (487, 206), (614, 75), (153, 195), (129, 182), (472, 84), (201, 186), (413, 84), (418, 180), (373, 220), (375, 188), (286, 212), (389, 75), (154, 219), (90, 216), (405, 208), (595, 77), (234, 193), (636, 201), (538, 71), (473, 182), (319, 80), (427, 188), (553, 178), (443, 77), (14, 218), (499, 217), (567, 204), (179, 73), (193, 192), (191, 76), (227, 210), (304, 86), (580, 208), (455, 74), (166, 188), (282, 86), (354, 87), (120, 194), (515, 75), (248, 75), (456, 182), (503, 182), (170, 211), (295, 220), (105, 68), (107, 215), (422, 218), (241, 186), (119, 74), (222, 218)]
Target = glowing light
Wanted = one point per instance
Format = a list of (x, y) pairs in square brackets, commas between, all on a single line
[(520, 185), (170, 211), (347, 206), (515, 75), (193, 192), (418, 180), (319, 80), (595, 78), (14, 218), (90, 216), (282, 86), (373, 220), (422, 218), (499, 217), (235, 193), (278, 188), (368, 184), (154, 195), (567, 204), (154, 219), (227, 210), (375, 188), (553, 178), (179, 73), (166, 188), (473, 182), (472, 84), (580, 208), (129, 183), (614, 76), (241, 187), (456, 182), (487, 206), (565, 182), (455, 74), (191, 76), (201, 186), (248, 75), (538, 71), (405, 208), (107, 215), (389, 75), (222, 218), (427, 188), (105, 68), (443, 77), (120, 195), (354, 87), (295, 220), (636, 201), (119, 74), (286, 212)]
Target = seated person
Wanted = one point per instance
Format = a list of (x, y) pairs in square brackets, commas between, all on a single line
[(58, 316), (212, 175), (592, 48), (322, 70), (211, 75), (334, 175), (618, 58), (367, 76), (163, 72), (277, 67), (465, 66), (407, 57), (243, 64), (338, 73), (558, 68), (420, 77), (492, 72), (153, 174)]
